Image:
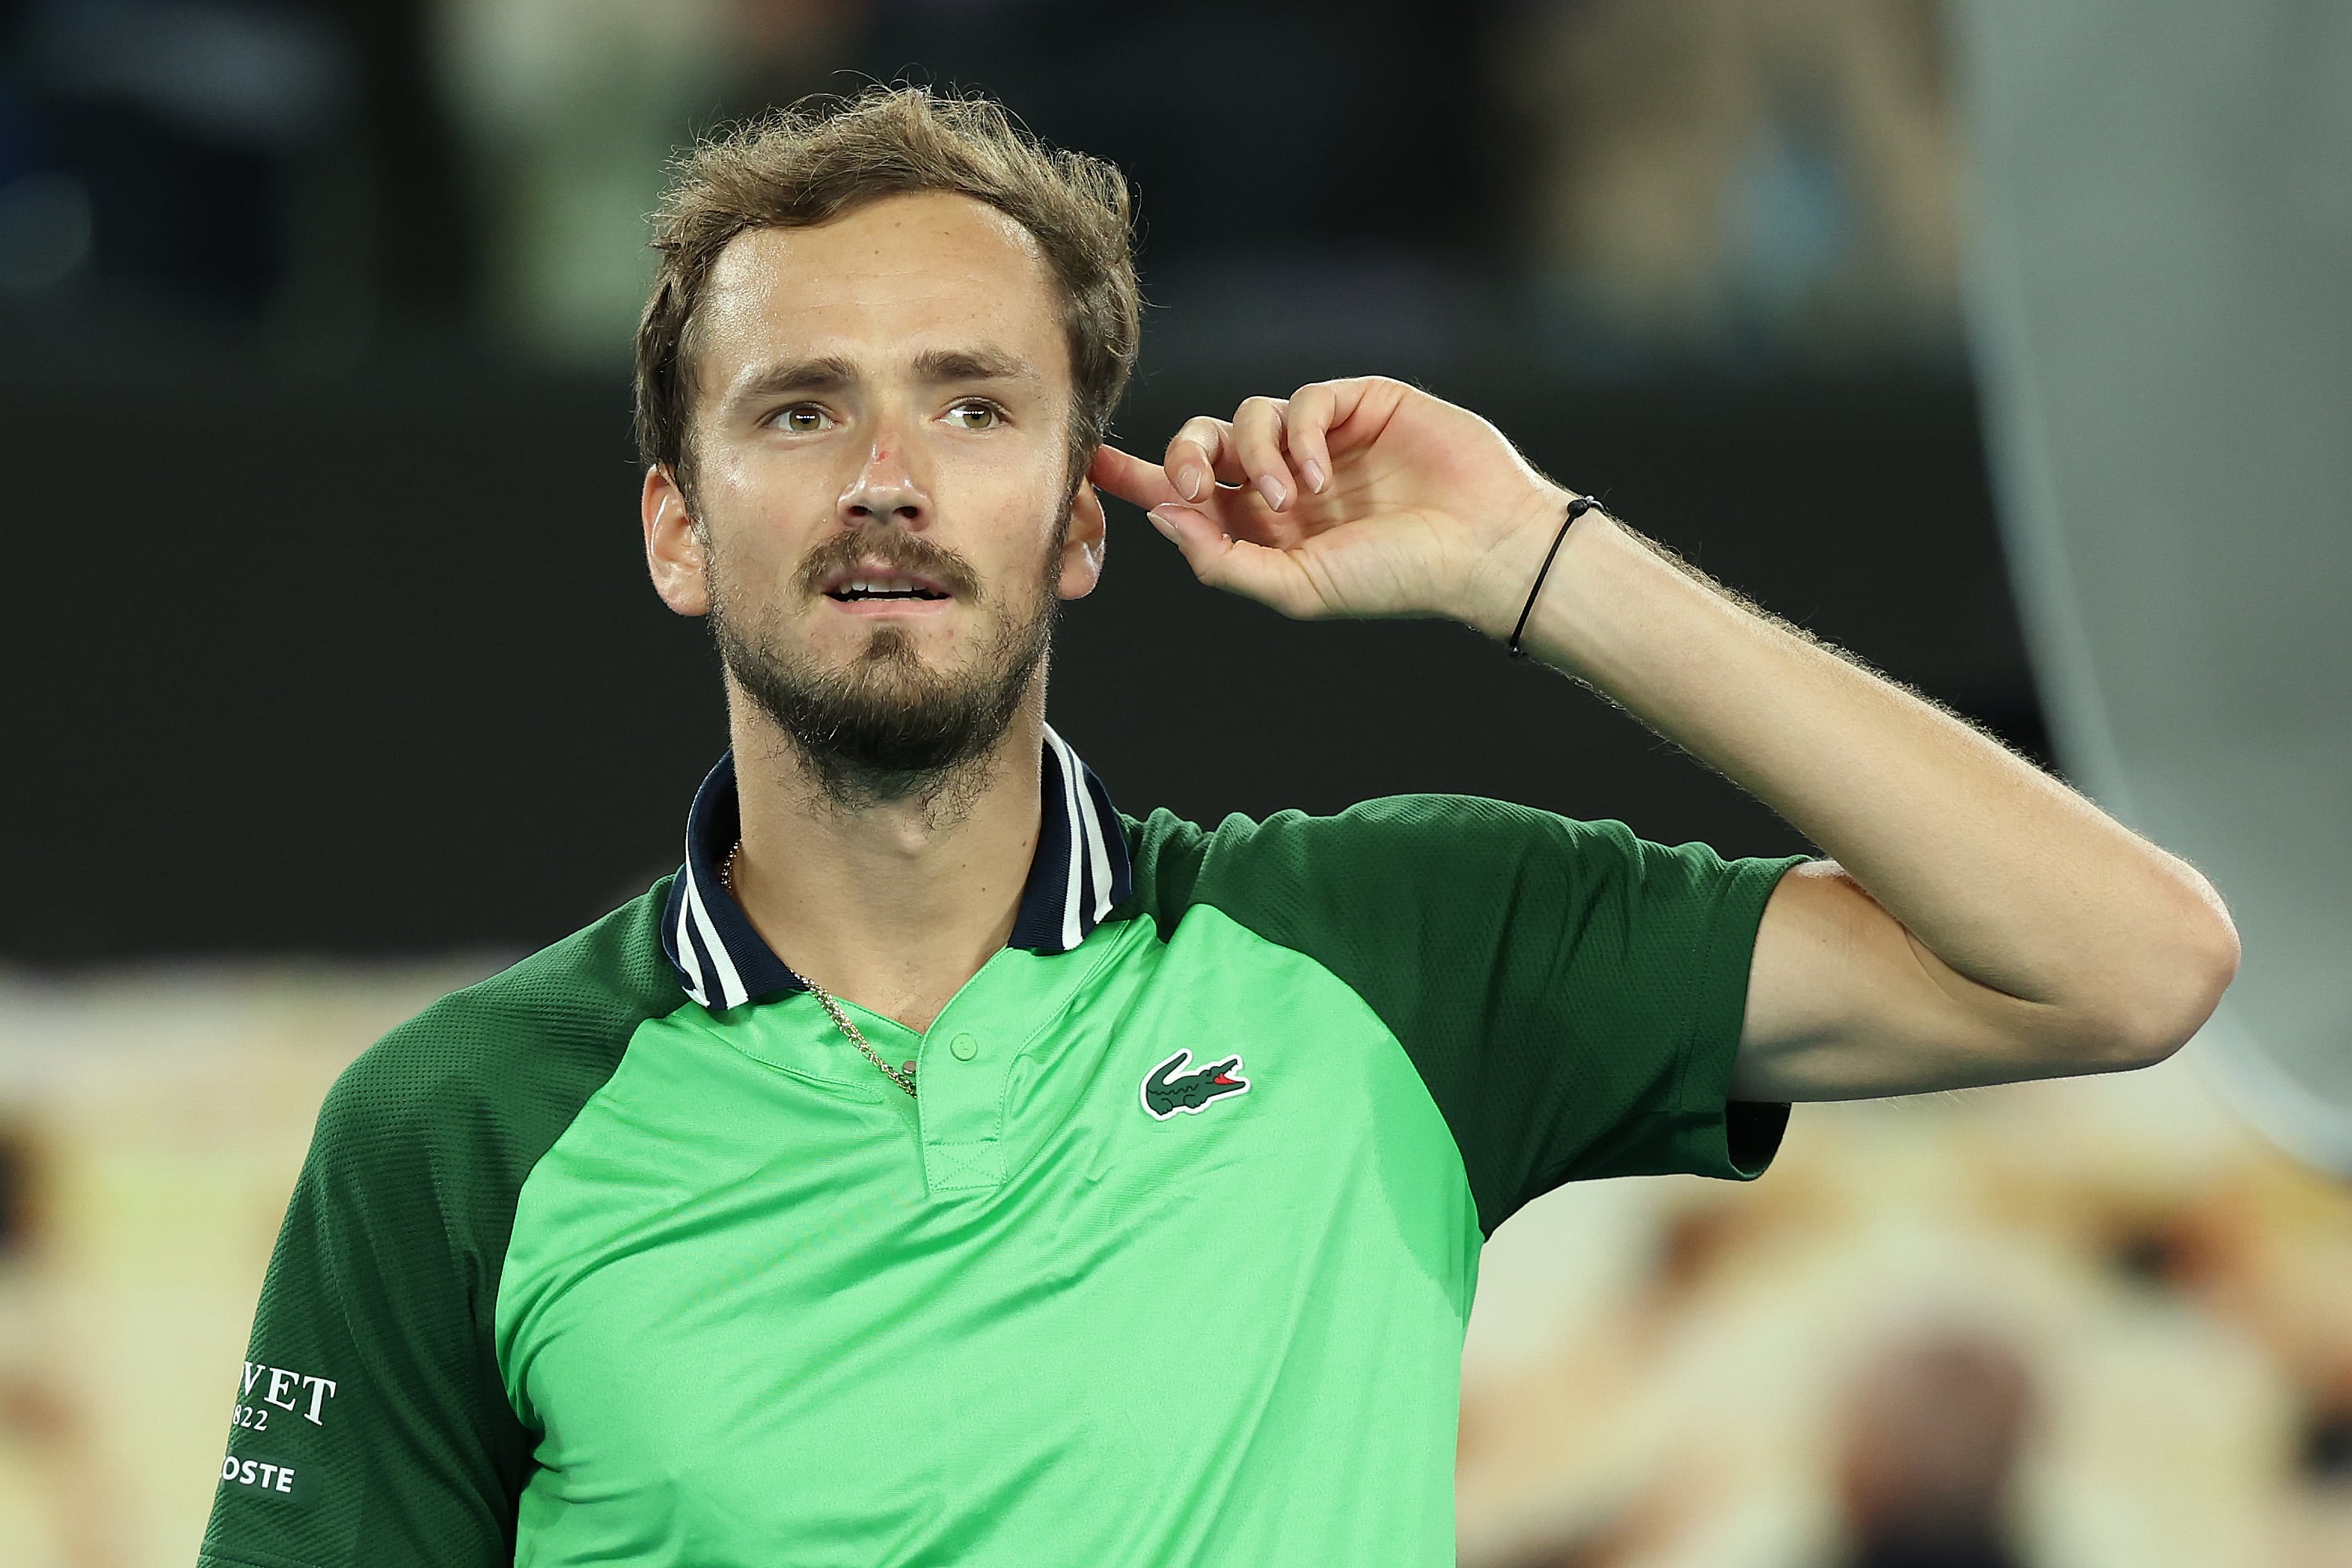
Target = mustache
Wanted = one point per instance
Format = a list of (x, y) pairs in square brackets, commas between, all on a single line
[(895, 547)]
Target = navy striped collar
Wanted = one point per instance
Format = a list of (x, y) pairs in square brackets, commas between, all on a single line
[(1079, 873)]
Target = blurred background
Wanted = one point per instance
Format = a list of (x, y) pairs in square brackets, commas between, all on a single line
[(2009, 345)]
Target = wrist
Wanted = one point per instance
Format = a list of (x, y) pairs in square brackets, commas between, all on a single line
[(1505, 581)]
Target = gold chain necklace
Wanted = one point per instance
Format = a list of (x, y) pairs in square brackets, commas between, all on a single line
[(903, 1077)]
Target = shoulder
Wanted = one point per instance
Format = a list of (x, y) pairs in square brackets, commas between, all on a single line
[(503, 1064), (1430, 841), (1434, 823), (1379, 883)]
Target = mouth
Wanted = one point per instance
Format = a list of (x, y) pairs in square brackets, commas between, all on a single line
[(871, 584)]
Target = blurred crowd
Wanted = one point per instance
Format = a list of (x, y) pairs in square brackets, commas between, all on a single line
[(2086, 1323), (1596, 181), (2051, 1325)]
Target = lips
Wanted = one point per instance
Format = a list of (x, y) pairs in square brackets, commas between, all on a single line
[(855, 584), (876, 570)]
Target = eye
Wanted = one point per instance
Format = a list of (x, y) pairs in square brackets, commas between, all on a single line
[(803, 419), (976, 414)]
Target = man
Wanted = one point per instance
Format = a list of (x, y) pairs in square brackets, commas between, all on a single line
[(945, 1167)]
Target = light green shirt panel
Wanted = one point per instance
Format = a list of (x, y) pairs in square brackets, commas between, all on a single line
[(751, 1328)]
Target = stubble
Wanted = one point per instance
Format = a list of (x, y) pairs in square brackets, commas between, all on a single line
[(888, 727)]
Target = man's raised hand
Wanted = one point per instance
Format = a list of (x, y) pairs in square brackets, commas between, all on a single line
[(1362, 497)]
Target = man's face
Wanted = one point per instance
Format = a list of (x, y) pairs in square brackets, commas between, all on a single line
[(880, 465)]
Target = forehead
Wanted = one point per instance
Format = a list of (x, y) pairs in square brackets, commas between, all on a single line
[(881, 283)]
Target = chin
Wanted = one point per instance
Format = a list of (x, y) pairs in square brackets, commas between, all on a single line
[(889, 648)]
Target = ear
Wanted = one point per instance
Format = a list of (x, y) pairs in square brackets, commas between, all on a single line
[(1082, 549), (673, 556)]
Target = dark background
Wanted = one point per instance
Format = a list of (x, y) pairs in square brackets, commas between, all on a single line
[(373, 665), (325, 628)]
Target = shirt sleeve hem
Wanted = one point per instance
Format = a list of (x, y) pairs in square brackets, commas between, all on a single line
[(1729, 1139)]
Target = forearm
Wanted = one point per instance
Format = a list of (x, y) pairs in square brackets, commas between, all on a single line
[(2006, 876)]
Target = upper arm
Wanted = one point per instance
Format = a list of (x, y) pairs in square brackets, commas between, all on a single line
[(370, 1425), (1844, 1002)]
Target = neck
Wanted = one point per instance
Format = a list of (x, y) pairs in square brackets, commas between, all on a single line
[(892, 903)]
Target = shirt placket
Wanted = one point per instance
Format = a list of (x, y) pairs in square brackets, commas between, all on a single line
[(959, 1108)]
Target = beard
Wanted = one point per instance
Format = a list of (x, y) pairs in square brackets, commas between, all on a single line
[(887, 726)]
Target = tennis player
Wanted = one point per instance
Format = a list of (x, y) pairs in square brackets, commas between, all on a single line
[(946, 1167)]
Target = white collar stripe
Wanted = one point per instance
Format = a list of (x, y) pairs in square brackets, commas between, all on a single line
[(732, 992), (1072, 788), (1098, 859), (1097, 855), (688, 961)]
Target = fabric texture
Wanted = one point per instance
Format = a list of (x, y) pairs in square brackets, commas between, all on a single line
[(1169, 1263)]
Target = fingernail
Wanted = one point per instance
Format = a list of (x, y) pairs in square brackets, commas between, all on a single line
[(1187, 480), (1162, 523), (1271, 488), (1312, 472)]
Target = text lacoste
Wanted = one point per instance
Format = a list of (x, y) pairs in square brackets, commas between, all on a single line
[(1168, 1090), (269, 1476)]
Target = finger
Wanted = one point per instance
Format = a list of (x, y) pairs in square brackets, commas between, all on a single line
[(1201, 455), (1130, 478), (1257, 439), (1361, 407), (1272, 577), (1307, 421)]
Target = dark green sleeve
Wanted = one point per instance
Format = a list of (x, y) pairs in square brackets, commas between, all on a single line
[(371, 1427), (1571, 993)]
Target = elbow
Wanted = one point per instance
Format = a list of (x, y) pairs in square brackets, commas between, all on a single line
[(2180, 987)]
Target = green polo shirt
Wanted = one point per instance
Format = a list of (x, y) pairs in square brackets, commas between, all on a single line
[(626, 1256)]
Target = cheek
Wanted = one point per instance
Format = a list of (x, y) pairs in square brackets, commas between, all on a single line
[(768, 503), (751, 569), (755, 491), (775, 489), (1029, 565), (1019, 493)]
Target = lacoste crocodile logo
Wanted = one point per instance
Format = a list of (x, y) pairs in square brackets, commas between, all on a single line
[(1167, 1089)]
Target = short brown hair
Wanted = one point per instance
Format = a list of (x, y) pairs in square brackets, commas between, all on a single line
[(806, 165)]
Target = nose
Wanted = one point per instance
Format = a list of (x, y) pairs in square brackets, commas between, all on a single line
[(885, 489)]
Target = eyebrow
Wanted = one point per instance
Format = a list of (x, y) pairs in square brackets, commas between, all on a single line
[(936, 366), (794, 376), (973, 364)]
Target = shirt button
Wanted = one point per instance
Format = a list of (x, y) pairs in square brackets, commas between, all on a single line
[(964, 1047)]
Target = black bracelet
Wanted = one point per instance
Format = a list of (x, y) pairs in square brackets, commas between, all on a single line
[(1576, 509)]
